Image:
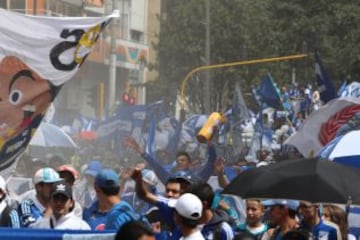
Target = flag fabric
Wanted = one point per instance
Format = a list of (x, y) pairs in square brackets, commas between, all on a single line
[(324, 83), (322, 126), (37, 56), (150, 143), (351, 90), (342, 88), (269, 93)]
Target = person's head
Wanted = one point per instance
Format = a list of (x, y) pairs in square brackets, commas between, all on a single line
[(135, 230), (188, 210), (337, 215), (297, 234), (244, 236), (309, 211), (254, 212), (172, 188), (204, 192), (183, 161), (61, 200), (56, 160), (43, 180), (92, 168), (68, 173), (280, 210), (107, 183)]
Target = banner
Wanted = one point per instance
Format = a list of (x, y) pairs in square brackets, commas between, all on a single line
[(323, 125), (37, 56)]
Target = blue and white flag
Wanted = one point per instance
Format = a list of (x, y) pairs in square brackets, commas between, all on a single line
[(324, 83), (268, 93)]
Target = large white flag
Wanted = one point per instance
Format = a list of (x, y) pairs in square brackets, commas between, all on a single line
[(37, 56), (324, 125)]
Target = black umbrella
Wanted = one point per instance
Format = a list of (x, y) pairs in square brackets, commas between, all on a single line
[(314, 180)]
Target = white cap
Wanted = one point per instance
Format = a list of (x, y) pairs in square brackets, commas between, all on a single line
[(188, 206), (46, 175), (2, 184), (149, 177)]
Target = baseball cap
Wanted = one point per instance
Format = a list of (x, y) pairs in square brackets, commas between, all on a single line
[(291, 204), (70, 169), (188, 206), (46, 175), (149, 177), (93, 167), (186, 176), (61, 188), (107, 178)]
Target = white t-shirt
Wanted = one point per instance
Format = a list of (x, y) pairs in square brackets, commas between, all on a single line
[(66, 222), (194, 236)]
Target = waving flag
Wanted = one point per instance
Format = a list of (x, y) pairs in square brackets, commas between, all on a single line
[(269, 93), (37, 56), (324, 83)]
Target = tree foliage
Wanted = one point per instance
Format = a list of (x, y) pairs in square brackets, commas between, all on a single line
[(253, 29)]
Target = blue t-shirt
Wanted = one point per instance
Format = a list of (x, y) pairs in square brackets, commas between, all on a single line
[(94, 218), (324, 230)]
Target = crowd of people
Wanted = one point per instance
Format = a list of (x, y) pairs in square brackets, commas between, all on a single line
[(131, 203), (141, 199)]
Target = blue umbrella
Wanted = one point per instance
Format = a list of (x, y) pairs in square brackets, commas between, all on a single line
[(50, 135)]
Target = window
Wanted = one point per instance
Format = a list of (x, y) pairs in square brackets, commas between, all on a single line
[(136, 36)]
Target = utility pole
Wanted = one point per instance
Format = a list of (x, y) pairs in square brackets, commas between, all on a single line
[(207, 85), (112, 69)]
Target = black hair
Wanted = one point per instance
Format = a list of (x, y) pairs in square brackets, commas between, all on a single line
[(203, 191), (183, 153), (133, 230), (110, 191), (186, 222), (244, 236), (184, 184), (297, 234)]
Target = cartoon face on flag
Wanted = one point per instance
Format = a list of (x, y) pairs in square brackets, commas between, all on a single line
[(37, 56)]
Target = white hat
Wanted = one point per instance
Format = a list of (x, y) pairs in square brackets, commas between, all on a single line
[(46, 175), (2, 184), (189, 206), (149, 177)]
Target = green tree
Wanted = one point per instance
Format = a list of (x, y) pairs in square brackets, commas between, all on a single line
[(252, 29)]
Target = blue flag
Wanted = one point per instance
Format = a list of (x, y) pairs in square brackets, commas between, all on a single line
[(324, 83), (269, 93), (342, 88)]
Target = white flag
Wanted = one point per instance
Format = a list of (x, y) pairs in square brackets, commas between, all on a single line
[(37, 56)]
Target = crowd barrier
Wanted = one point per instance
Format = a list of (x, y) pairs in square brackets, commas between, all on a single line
[(51, 234)]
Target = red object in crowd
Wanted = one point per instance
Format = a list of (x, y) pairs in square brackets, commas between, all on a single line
[(87, 135)]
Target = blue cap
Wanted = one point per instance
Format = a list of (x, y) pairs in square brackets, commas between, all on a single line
[(187, 176), (107, 178), (291, 204), (93, 167)]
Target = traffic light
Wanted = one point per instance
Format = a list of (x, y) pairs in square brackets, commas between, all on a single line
[(128, 99)]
